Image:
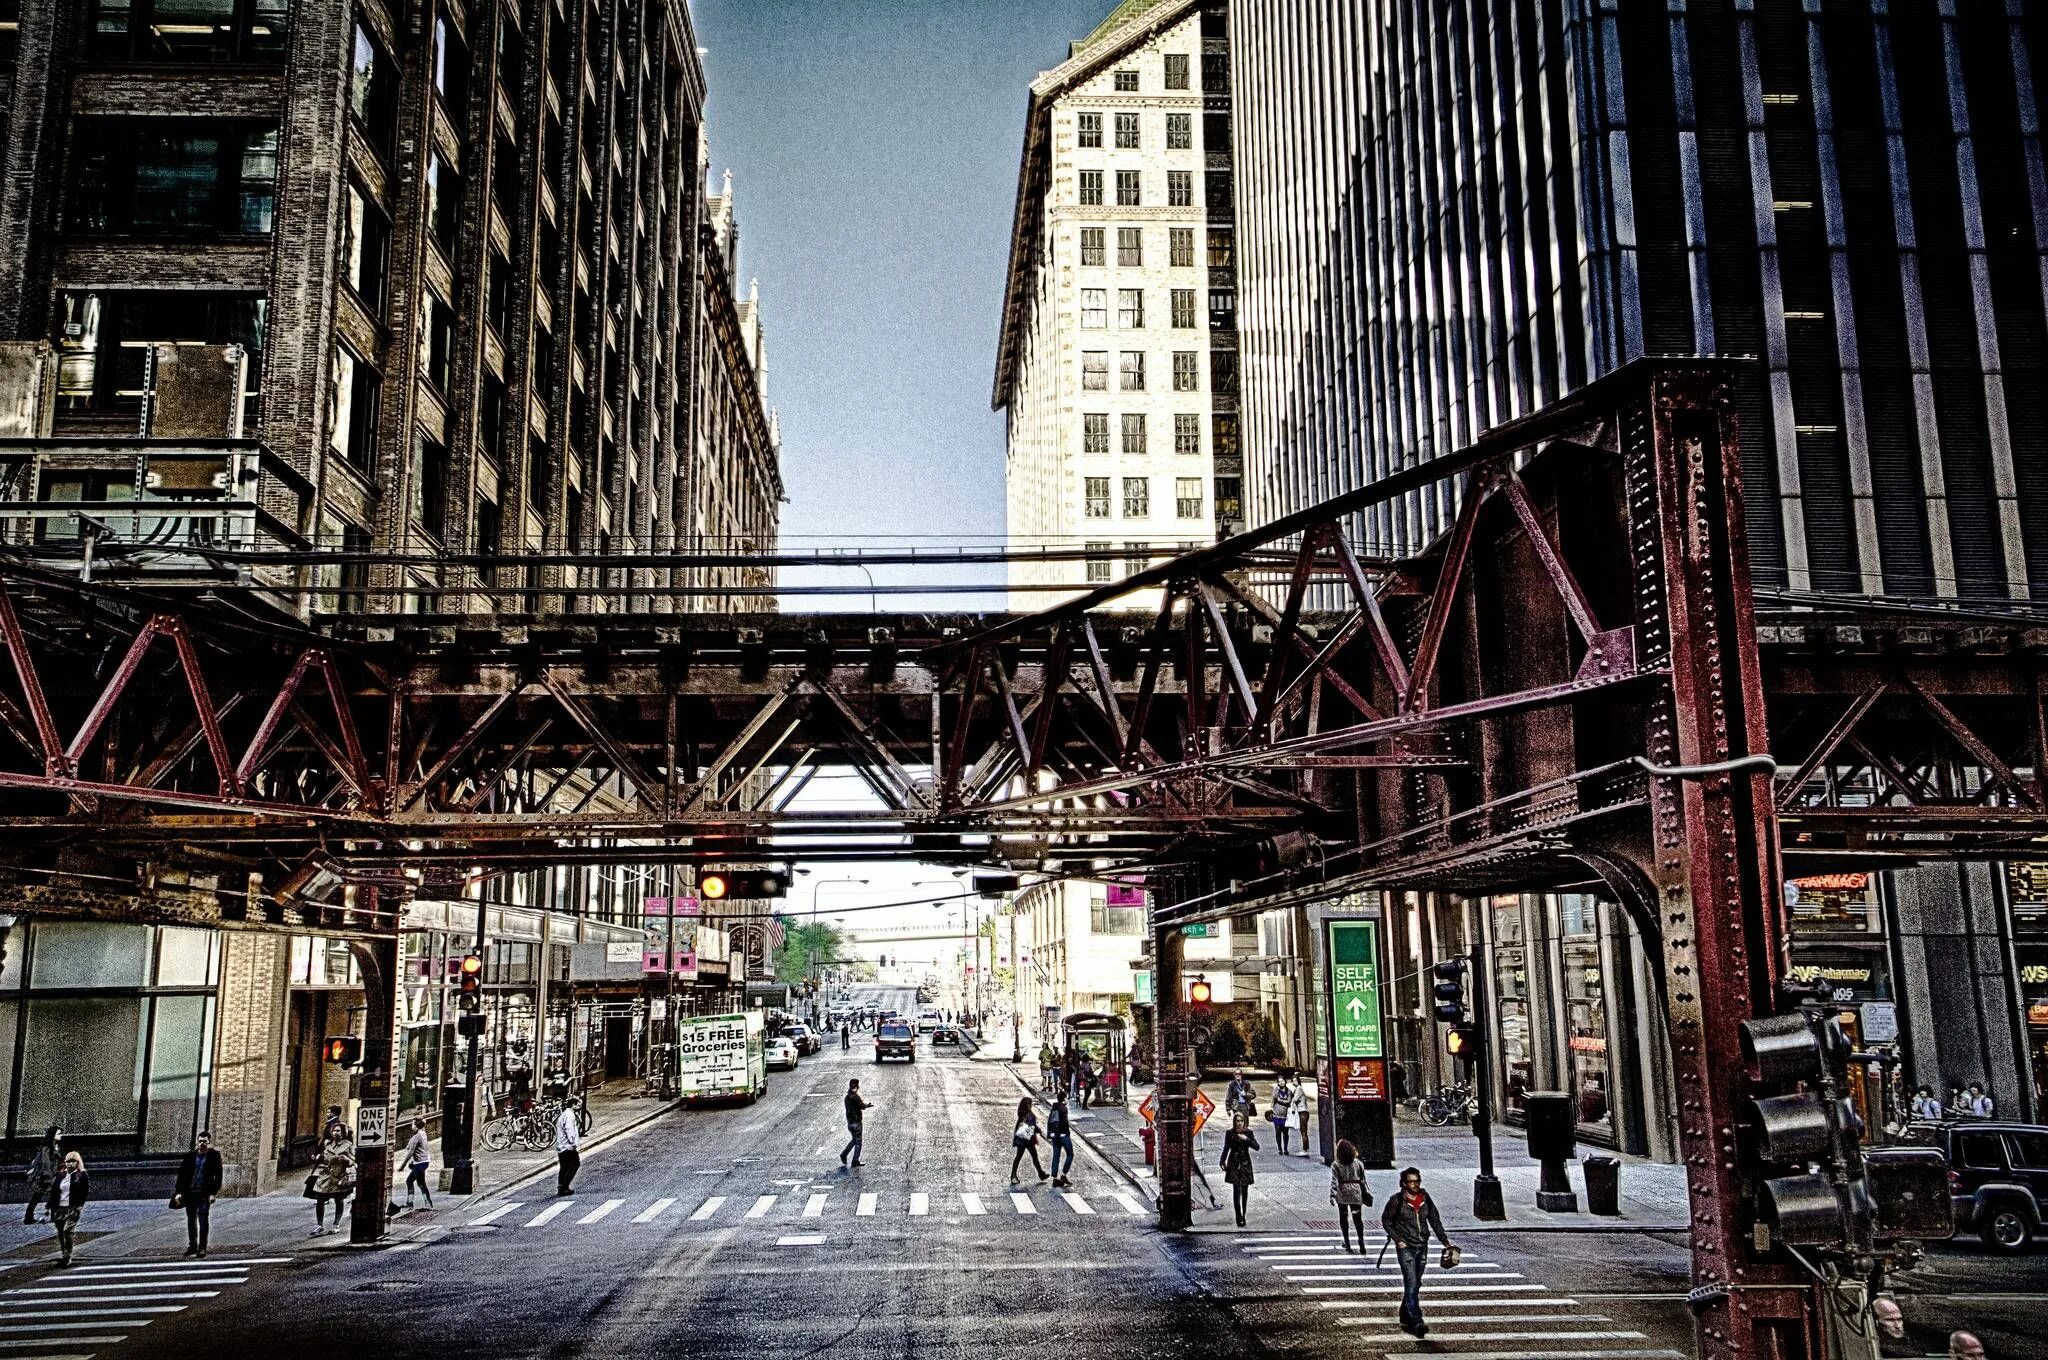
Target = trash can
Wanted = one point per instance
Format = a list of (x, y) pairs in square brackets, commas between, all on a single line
[(1603, 1185)]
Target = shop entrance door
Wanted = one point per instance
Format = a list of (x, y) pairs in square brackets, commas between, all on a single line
[(618, 1047)]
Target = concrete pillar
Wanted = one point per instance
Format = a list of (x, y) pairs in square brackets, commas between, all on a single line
[(248, 1058)]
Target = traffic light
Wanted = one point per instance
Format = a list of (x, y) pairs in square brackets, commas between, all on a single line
[(471, 976), (1807, 1156), (343, 1050), (1450, 992), (1463, 1042), (716, 885), (1199, 995)]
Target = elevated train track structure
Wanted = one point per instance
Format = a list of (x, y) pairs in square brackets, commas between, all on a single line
[(1576, 683)]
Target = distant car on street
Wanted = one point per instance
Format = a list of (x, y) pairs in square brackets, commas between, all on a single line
[(782, 1055), (804, 1037), (895, 1039), (946, 1034), (1997, 1178), (928, 1020)]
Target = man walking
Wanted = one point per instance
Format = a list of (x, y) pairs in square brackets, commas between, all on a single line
[(199, 1178), (854, 1106), (568, 1138), (1409, 1218), (1059, 1131)]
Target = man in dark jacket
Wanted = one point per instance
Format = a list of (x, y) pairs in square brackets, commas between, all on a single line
[(198, 1183), (1409, 1218), (854, 1106), (1059, 1131)]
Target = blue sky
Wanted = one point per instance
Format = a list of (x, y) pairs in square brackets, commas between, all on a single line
[(874, 146)]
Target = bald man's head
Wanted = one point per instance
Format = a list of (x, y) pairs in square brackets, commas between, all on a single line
[(1964, 1346), (1890, 1320)]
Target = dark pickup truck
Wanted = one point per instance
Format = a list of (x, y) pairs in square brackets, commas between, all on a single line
[(896, 1039)]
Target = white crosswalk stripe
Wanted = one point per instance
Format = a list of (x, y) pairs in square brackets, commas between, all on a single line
[(761, 1207), (550, 1214), (707, 1208), (69, 1314), (972, 1204), (867, 1205), (1022, 1202), (782, 1206), (653, 1211), (600, 1211), (815, 1207), (920, 1204), (1080, 1205), (494, 1215), (1130, 1204)]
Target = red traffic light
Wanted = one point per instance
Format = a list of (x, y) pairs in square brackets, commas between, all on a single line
[(711, 887), (472, 967), (717, 885), (1199, 992)]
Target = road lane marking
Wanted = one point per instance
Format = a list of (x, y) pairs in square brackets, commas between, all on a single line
[(1022, 1202), (1369, 1273), (550, 1214), (761, 1207), (707, 1208), (121, 1284), (801, 1240), (867, 1206), (1485, 1336), (96, 1312), (599, 1212), (1131, 1206), (200, 1266), (1432, 1288), (1442, 1303), (76, 1326), (654, 1210), (1081, 1206), (814, 1207), (973, 1203), (920, 1204), (27, 1303), (69, 1341), (1390, 1313), (494, 1215)]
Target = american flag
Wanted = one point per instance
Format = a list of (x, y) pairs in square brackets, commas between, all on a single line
[(776, 934)]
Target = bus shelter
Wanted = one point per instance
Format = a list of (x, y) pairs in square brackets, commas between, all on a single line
[(1104, 1038)]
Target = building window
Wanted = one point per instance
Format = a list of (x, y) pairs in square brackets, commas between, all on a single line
[(429, 483), (1137, 497), (488, 535), (186, 30), (451, 70), (1221, 253), (1130, 308), (1137, 557), (1095, 370), (1127, 82), (1180, 243), (1127, 132), (1176, 70), (173, 177), (444, 203), (103, 339), (365, 249), (1216, 72), (1091, 188), (1096, 496), (1098, 562), (1180, 188), (352, 397), (492, 408), (1222, 309), (373, 93), (1229, 499), (1091, 245), (497, 291), (1090, 128), (1095, 432), (1130, 248), (1127, 188), (1186, 370), (1187, 433), (1224, 443), (1184, 309), (1180, 131), (1223, 372), (1187, 497), (1094, 309), (1133, 432), (437, 343), (1131, 378)]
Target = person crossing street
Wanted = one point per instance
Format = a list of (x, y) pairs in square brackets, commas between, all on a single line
[(1059, 1131), (855, 1107), (1409, 1218), (568, 1139)]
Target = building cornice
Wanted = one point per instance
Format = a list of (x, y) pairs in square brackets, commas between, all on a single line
[(1035, 166)]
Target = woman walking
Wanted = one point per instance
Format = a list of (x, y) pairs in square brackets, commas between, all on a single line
[(44, 1168), (67, 1199), (1350, 1193), (1281, 1111), (1409, 1218), (1025, 1139), (333, 1180), (1238, 1146), (416, 1164)]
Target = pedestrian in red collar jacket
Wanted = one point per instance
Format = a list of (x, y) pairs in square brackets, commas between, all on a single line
[(1409, 1218)]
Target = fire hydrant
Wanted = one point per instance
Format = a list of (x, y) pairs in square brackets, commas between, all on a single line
[(1150, 1139)]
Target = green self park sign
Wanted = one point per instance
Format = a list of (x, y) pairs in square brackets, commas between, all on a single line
[(1355, 989)]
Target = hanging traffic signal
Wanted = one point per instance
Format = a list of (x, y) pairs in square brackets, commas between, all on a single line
[(1450, 992), (343, 1050), (716, 885), (1806, 1157), (471, 981), (1200, 994)]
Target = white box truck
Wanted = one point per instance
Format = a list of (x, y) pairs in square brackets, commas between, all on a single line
[(719, 1057)]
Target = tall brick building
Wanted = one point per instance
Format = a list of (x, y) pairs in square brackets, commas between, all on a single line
[(467, 249)]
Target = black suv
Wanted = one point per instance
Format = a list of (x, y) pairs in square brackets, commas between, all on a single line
[(1997, 1178)]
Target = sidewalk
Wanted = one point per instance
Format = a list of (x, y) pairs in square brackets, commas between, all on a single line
[(282, 1220), (1292, 1192)]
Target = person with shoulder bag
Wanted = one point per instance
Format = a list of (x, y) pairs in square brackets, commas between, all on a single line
[(199, 1181), (43, 1168), (1280, 1112), (1409, 1218), (1350, 1193), (1025, 1139), (333, 1178), (67, 1200)]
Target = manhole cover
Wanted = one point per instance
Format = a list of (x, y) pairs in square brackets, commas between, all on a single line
[(385, 1286)]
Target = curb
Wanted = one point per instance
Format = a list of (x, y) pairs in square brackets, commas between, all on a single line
[(1111, 1160), (589, 1145)]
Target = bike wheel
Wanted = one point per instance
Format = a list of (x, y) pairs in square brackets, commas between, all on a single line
[(498, 1135), (536, 1136), (1434, 1114), (583, 1118)]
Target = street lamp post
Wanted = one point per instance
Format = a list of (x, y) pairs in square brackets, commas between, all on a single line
[(811, 953)]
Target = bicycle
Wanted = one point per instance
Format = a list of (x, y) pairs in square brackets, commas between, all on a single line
[(1453, 1103)]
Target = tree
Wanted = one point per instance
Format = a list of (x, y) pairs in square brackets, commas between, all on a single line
[(804, 945), (1267, 1048), (1226, 1045)]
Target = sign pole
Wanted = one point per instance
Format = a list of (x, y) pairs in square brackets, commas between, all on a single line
[(1488, 1204)]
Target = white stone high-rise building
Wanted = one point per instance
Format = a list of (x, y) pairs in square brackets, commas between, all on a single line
[(1117, 368)]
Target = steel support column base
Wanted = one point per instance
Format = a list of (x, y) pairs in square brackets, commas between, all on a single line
[(462, 1178), (1176, 1213), (1557, 1201), (1488, 1204)]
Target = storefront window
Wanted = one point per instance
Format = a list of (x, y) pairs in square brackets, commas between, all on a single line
[(180, 1072), (1585, 993), (187, 957), (1836, 904), (1511, 1000), (81, 1065), (89, 954)]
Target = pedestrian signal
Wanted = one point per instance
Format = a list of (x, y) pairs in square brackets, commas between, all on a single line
[(1463, 1042), (343, 1050)]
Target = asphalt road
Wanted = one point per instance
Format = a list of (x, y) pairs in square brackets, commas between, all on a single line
[(735, 1232)]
